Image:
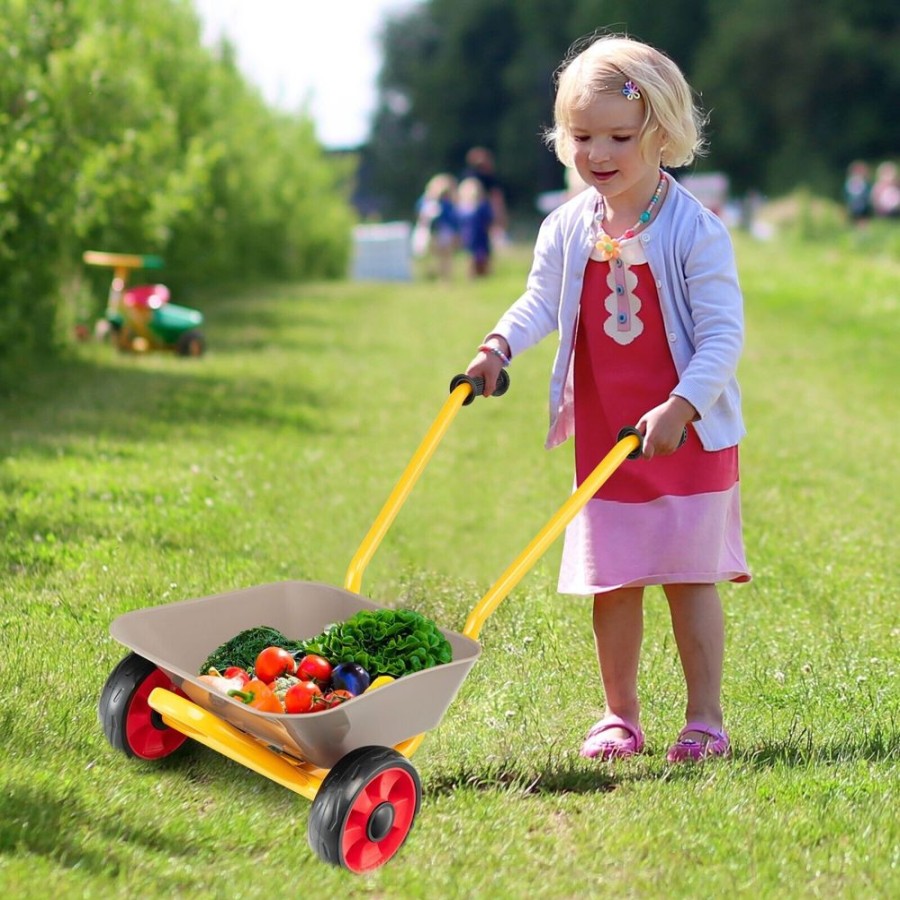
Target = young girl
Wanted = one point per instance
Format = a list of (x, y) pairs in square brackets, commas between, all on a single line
[(476, 217), (436, 234), (639, 281)]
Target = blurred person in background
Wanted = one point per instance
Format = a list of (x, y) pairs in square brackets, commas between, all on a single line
[(436, 232), (480, 164), (476, 216), (886, 191)]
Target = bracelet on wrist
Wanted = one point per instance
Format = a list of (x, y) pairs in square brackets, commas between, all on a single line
[(490, 348)]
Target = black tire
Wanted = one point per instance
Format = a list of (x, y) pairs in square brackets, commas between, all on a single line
[(364, 809), (128, 722), (191, 343)]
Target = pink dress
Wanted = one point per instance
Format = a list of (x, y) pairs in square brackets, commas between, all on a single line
[(669, 520)]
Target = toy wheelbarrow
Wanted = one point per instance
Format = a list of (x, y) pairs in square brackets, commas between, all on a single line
[(352, 761)]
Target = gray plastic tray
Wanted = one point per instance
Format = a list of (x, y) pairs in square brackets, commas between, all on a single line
[(178, 637)]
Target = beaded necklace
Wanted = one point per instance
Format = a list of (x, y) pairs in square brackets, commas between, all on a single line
[(610, 248)]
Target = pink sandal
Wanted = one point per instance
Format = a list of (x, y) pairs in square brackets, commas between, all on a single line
[(597, 746), (686, 748)]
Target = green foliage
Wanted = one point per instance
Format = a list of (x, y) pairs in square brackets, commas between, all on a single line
[(120, 132), (831, 73), (384, 642)]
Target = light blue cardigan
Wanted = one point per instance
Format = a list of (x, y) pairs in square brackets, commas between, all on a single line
[(691, 257)]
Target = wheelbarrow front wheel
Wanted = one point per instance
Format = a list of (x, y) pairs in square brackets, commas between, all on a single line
[(129, 722), (364, 809)]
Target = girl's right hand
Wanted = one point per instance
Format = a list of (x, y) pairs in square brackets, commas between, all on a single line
[(488, 365)]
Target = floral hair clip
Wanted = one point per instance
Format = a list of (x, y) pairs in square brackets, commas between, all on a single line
[(631, 91)]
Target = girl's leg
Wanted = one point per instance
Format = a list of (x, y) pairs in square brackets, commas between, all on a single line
[(699, 627), (618, 631)]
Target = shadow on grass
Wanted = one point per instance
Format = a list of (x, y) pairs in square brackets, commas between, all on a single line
[(255, 324), (558, 780), (126, 400), (59, 827), (875, 744)]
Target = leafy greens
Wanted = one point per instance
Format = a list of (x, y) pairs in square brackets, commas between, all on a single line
[(392, 642)]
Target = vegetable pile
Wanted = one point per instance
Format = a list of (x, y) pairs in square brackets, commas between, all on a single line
[(265, 669)]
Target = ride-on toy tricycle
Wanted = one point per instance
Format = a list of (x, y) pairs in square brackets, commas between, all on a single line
[(352, 760), (142, 318)]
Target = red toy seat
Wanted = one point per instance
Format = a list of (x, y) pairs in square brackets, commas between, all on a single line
[(147, 296)]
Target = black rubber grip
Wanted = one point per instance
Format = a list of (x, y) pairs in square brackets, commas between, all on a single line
[(629, 430), (640, 447), (477, 385)]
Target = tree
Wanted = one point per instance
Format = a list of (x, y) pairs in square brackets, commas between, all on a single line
[(795, 88), (798, 89), (460, 73)]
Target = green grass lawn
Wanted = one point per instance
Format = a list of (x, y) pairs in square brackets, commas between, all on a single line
[(131, 482)]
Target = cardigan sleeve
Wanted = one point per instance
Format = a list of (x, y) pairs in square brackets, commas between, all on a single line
[(715, 305)]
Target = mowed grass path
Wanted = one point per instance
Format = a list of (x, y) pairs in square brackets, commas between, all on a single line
[(129, 482)]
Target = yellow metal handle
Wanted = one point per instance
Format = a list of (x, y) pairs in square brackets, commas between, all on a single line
[(113, 260), (363, 556), (548, 534)]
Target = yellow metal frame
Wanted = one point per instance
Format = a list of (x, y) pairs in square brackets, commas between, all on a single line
[(405, 484), (187, 717), (548, 534), (192, 720)]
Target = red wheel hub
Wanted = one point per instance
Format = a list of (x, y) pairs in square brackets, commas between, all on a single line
[(379, 820), (147, 736)]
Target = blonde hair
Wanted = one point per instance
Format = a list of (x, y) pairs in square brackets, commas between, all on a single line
[(442, 185), (670, 112), (471, 191)]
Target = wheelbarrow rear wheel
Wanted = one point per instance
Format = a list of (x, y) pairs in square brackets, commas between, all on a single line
[(364, 809), (129, 722)]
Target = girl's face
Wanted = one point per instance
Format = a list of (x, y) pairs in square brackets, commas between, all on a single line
[(607, 153)]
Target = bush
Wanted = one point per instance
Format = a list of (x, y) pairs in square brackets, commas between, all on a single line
[(120, 132)]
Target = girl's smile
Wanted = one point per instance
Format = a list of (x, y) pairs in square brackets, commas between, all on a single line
[(607, 155)]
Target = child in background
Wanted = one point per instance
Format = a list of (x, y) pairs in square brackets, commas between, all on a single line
[(857, 191), (885, 194), (436, 233), (476, 216), (640, 282), (480, 164)]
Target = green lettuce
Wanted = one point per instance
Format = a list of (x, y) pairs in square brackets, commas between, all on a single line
[(392, 642)]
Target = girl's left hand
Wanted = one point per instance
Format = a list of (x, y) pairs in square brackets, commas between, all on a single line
[(664, 425)]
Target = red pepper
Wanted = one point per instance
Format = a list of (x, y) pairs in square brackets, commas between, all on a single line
[(237, 672), (221, 683), (259, 695)]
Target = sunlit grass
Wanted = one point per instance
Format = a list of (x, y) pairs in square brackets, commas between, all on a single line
[(129, 482)]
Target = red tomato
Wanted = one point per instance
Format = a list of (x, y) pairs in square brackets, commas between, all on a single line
[(336, 698), (272, 663), (303, 697), (314, 668)]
